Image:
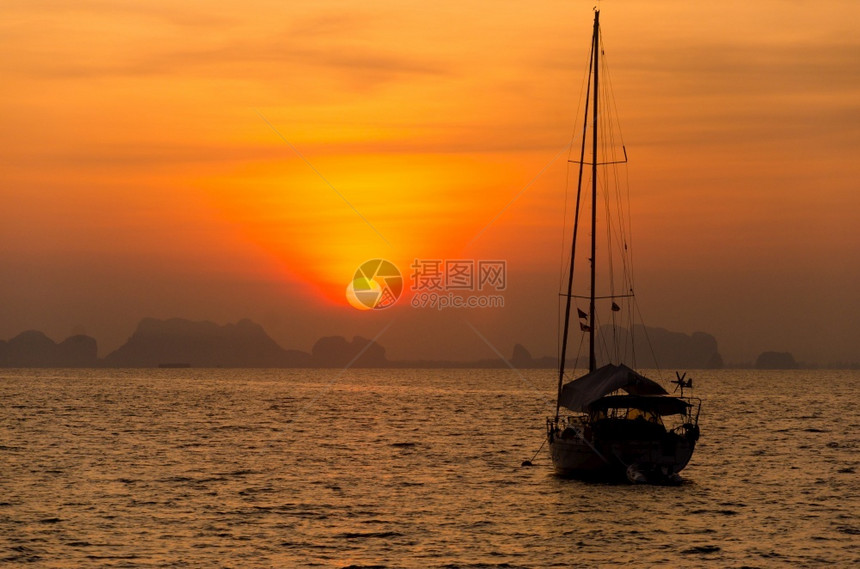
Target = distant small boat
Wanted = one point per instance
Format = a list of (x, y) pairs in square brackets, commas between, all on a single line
[(174, 365), (623, 423)]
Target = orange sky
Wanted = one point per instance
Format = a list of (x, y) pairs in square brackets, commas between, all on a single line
[(139, 179)]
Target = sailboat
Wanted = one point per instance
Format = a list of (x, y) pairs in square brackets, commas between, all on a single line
[(612, 422)]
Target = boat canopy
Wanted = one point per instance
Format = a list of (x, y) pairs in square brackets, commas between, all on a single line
[(658, 404), (583, 391)]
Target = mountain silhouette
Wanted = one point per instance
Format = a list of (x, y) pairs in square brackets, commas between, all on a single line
[(185, 343), (661, 348), (775, 360), (34, 349), (203, 344), (179, 342)]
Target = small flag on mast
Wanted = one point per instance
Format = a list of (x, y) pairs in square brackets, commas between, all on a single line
[(582, 314), (584, 327), (615, 307)]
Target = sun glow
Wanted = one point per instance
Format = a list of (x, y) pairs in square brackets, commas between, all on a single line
[(323, 221)]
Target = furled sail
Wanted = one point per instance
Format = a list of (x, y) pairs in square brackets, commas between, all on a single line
[(581, 392)]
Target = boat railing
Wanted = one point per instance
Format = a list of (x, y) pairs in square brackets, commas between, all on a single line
[(695, 403), (562, 422), (571, 421), (567, 427)]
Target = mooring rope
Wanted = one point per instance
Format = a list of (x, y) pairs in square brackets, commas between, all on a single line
[(529, 462)]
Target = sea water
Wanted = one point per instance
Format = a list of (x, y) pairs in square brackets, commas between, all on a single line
[(407, 468)]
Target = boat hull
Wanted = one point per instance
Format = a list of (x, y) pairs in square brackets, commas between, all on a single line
[(657, 460)]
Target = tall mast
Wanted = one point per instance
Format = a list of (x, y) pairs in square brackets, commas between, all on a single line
[(591, 320), (569, 295)]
